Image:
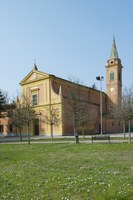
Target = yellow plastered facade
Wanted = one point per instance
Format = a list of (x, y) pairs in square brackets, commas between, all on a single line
[(40, 84)]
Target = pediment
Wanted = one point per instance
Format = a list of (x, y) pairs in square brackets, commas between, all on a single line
[(33, 76)]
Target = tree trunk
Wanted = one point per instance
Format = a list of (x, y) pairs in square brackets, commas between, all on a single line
[(28, 135), (20, 134), (75, 132), (51, 129), (124, 128), (83, 133), (129, 130)]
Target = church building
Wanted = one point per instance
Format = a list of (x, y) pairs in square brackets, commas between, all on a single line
[(66, 104), (64, 107)]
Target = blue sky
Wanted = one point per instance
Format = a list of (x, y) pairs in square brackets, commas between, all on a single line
[(66, 37)]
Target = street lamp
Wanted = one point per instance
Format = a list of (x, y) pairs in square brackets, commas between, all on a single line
[(100, 78)]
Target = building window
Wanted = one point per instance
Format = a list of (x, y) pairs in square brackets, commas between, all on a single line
[(34, 99), (112, 123), (111, 76)]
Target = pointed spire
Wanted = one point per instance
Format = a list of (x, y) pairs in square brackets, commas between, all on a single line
[(35, 66), (114, 53)]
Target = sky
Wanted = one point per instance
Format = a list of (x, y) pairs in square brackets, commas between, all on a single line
[(67, 38)]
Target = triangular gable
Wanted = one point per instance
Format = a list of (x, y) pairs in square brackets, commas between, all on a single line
[(34, 75)]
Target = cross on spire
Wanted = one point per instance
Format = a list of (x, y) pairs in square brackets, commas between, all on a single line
[(35, 66)]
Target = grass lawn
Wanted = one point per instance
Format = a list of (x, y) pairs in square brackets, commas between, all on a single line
[(66, 171)]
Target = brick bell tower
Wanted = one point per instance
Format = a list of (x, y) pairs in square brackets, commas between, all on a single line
[(113, 79)]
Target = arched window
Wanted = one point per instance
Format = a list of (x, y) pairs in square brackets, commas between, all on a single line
[(111, 76)]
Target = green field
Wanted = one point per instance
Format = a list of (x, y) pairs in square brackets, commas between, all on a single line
[(66, 171)]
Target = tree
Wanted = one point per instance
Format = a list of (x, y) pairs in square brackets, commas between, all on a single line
[(2, 100), (18, 119), (85, 115), (29, 114), (75, 111), (6, 110), (125, 108), (77, 107), (24, 115), (121, 113), (5, 105), (51, 117), (76, 80)]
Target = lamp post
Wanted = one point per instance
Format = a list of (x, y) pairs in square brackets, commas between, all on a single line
[(100, 78)]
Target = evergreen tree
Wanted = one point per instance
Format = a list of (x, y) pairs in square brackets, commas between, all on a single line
[(2, 100)]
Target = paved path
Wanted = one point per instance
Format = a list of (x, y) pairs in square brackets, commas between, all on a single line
[(115, 138)]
